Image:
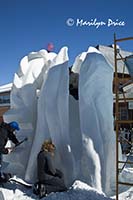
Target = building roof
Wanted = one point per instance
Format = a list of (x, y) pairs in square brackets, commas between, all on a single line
[(6, 88)]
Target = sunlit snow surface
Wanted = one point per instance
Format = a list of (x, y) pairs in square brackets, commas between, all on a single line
[(81, 130), (78, 191)]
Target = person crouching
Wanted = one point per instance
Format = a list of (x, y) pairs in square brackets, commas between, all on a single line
[(50, 179)]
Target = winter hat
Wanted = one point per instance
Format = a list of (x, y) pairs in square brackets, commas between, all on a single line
[(14, 125)]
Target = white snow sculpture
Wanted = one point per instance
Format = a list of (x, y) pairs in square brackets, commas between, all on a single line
[(26, 82), (53, 117), (96, 118), (81, 130)]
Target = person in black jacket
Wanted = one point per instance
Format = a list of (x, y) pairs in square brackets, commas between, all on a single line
[(7, 133), (50, 179)]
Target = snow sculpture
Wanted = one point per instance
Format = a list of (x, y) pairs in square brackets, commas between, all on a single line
[(53, 117), (24, 104), (81, 130), (96, 119)]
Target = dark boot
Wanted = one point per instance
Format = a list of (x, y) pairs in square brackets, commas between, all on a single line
[(42, 191), (36, 188), (7, 176), (2, 179)]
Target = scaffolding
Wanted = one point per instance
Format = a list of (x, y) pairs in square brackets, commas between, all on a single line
[(118, 121)]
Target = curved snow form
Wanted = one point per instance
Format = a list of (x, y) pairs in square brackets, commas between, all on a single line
[(80, 59), (81, 130), (53, 118), (78, 62), (26, 82), (96, 120)]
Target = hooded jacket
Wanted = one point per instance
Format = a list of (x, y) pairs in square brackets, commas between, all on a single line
[(5, 135)]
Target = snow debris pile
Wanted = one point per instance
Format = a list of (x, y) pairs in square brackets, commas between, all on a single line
[(82, 131), (78, 191)]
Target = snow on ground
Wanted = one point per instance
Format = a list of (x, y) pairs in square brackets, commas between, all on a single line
[(78, 191), (128, 195)]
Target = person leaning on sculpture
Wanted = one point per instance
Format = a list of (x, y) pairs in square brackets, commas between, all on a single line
[(7, 133), (50, 179)]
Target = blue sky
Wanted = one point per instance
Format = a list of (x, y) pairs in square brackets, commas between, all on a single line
[(29, 25)]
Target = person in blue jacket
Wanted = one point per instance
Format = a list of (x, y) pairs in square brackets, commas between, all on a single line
[(7, 133)]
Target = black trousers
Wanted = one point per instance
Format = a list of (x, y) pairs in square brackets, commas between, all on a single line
[(55, 184)]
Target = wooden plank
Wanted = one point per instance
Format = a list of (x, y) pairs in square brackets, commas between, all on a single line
[(123, 39), (116, 115), (125, 183), (123, 59), (128, 162), (124, 121), (128, 99)]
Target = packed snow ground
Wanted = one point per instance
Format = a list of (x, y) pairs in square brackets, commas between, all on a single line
[(78, 191)]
